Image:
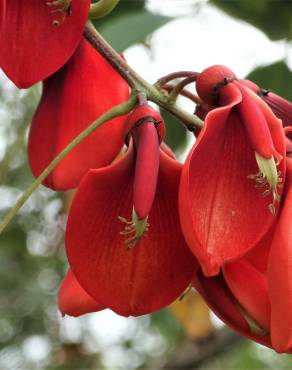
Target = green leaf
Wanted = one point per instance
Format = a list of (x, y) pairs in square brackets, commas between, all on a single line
[(274, 18), (176, 135), (276, 77), (130, 28)]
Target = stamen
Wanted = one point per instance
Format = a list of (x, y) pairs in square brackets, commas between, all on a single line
[(268, 176), (136, 227), (63, 7)]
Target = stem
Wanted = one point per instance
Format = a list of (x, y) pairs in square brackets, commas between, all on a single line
[(177, 89), (137, 83), (116, 111), (172, 76), (102, 8), (187, 94)]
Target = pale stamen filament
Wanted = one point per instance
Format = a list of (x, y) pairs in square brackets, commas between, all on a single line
[(268, 176), (63, 7), (137, 227)]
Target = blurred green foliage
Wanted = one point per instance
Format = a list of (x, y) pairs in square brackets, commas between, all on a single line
[(273, 17), (276, 77), (130, 23)]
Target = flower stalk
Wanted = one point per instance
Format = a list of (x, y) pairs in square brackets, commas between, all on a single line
[(136, 82), (102, 8)]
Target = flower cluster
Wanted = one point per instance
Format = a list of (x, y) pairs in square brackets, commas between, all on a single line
[(142, 227)]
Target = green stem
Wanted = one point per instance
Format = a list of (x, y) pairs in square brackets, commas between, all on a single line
[(116, 111), (179, 87), (153, 93), (102, 8)]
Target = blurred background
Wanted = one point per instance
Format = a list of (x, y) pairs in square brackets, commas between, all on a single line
[(251, 37)]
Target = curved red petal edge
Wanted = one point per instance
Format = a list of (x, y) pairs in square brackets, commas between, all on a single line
[(280, 274), (222, 214), (250, 288), (255, 123), (217, 295), (31, 47), (84, 89), (167, 150), (275, 127), (153, 273), (73, 300)]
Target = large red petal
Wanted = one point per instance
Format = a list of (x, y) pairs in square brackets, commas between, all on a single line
[(222, 214), (31, 47), (86, 87), (280, 274), (152, 274), (73, 300)]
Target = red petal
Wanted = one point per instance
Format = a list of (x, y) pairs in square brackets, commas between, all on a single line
[(216, 293), (147, 167), (73, 300), (72, 99), (274, 125), (259, 255), (2, 11), (220, 299), (152, 274), (222, 214), (256, 125), (31, 47), (249, 286), (167, 150), (280, 275)]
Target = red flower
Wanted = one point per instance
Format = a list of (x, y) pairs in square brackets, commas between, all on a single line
[(153, 266), (253, 295), (38, 37), (237, 158), (86, 87), (73, 300)]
